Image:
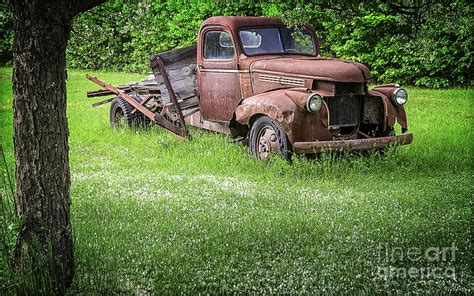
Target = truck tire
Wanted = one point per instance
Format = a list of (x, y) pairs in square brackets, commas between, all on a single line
[(267, 137), (140, 118), (121, 114)]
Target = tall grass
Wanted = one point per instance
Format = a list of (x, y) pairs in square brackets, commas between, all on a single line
[(8, 224), (17, 275), (154, 214)]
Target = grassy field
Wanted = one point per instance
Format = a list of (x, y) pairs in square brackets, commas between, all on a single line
[(151, 213)]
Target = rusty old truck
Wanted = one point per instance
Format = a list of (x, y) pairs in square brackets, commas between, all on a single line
[(267, 84)]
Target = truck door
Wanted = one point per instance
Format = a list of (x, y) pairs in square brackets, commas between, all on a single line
[(218, 75)]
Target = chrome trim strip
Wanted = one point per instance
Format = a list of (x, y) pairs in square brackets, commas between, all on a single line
[(223, 70), (296, 75), (283, 80)]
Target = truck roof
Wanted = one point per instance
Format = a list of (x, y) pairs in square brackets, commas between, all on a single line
[(236, 22)]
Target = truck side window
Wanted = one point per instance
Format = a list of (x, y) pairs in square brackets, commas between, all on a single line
[(218, 46)]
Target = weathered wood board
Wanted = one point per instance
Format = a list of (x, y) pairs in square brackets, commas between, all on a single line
[(180, 65)]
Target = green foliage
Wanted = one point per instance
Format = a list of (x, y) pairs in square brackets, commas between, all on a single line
[(427, 44), (120, 35), (6, 32), (420, 43)]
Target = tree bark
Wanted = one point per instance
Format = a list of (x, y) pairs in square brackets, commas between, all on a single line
[(41, 30), (41, 138)]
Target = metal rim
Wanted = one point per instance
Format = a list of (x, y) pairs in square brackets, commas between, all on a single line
[(119, 116), (267, 142)]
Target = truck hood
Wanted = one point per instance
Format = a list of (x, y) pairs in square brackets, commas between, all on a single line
[(317, 68)]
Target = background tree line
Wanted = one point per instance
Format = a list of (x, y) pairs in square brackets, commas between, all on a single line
[(424, 43)]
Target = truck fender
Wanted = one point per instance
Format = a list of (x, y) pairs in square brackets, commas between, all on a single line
[(392, 112), (280, 105)]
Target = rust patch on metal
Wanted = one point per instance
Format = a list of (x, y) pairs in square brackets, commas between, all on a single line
[(352, 145), (392, 113), (287, 107), (312, 68)]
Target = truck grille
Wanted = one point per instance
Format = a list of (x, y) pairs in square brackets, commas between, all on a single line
[(344, 110), (349, 87)]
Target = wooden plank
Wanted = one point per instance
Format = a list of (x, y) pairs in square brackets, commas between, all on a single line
[(178, 69), (173, 98), (178, 65), (180, 96), (176, 74), (183, 85), (185, 104), (143, 90), (102, 102), (106, 92), (197, 121), (190, 112), (166, 124), (176, 58), (188, 103), (124, 96)]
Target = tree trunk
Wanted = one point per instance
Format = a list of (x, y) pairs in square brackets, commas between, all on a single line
[(41, 140)]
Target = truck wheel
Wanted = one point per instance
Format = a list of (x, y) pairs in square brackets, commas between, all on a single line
[(140, 118), (121, 114), (267, 137)]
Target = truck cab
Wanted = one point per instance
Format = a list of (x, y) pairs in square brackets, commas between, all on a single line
[(268, 84)]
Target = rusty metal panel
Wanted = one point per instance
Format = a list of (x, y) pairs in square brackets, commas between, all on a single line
[(352, 145), (344, 110), (245, 84), (287, 108), (263, 82), (392, 113), (218, 80), (373, 110), (197, 121), (219, 94), (329, 88), (236, 22), (314, 68)]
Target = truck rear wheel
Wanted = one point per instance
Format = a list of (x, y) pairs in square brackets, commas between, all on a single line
[(121, 114), (267, 137)]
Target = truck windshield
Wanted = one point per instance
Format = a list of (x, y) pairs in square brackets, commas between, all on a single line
[(277, 41)]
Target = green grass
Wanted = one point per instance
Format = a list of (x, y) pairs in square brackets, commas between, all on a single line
[(152, 213)]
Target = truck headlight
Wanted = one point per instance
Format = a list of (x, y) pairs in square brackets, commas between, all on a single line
[(314, 102), (400, 97)]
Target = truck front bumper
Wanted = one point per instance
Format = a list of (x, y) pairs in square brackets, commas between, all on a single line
[(351, 145)]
